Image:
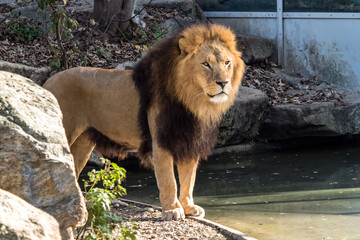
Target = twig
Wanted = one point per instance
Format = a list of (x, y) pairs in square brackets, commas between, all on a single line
[(58, 37), (121, 32)]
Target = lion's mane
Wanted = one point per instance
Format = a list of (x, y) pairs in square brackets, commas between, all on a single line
[(186, 128)]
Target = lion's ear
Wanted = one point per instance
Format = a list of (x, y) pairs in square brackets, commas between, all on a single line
[(182, 45), (186, 46)]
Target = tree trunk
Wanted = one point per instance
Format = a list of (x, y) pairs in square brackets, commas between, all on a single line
[(113, 15)]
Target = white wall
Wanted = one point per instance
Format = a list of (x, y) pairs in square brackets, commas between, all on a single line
[(326, 48)]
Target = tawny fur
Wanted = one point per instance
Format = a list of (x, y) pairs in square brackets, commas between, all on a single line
[(169, 108)]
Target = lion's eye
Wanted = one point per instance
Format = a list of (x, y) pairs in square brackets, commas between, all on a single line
[(206, 64), (227, 63)]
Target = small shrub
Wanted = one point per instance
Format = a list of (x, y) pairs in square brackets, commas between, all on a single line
[(139, 35), (61, 27), (21, 29), (101, 222), (3, 230), (159, 32), (105, 52)]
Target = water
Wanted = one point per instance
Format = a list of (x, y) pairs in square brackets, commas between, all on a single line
[(304, 194)]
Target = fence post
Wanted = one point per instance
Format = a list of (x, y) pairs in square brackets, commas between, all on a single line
[(280, 32)]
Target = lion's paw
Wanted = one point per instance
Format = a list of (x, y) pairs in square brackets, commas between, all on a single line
[(173, 214), (194, 211)]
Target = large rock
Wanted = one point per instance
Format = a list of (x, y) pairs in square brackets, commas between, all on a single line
[(9, 3), (174, 25), (320, 119), (244, 118), (38, 75), (36, 163), (21, 220), (254, 49)]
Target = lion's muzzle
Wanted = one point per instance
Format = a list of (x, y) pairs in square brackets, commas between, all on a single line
[(218, 98)]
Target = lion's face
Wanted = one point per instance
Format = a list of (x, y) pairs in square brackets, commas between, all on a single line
[(214, 65), (209, 76)]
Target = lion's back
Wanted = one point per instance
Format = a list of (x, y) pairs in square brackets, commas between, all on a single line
[(92, 97)]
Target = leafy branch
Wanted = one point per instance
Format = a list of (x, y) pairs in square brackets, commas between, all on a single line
[(62, 25), (101, 223)]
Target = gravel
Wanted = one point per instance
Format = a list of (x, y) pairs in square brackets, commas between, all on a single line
[(150, 225)]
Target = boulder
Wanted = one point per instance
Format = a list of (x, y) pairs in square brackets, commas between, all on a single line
[(36, 163), (21, 220), (38, 75), (9, 3), (28, 10), (254, 49), (176, 24), (318, 119), (244, 118), (172, 25)]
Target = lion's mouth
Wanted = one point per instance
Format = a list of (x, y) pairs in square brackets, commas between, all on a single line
[(218, 98), (218, 94)]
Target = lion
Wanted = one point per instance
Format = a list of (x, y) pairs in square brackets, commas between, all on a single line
[(168, 109)]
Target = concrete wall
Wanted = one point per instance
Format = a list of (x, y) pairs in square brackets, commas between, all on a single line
[(262, 27), (326, 48)]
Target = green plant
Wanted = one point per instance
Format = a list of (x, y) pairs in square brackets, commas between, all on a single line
[(22, 29), (62, 25), (139, 35), (159, 32), (105, 52), (3, 230), (101, 222)]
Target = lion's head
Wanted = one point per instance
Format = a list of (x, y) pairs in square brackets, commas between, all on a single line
[(209, 70)]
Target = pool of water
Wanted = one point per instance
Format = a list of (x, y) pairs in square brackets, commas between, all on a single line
[(305, 194)]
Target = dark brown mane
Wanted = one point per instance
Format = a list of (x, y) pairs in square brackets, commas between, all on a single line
[(108, 147), (179, 131)]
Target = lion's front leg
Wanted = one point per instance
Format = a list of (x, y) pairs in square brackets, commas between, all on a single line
[(165, 178), (187, 175)]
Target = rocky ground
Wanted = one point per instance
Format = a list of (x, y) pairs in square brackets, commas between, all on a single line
[(150, 226), (296, 90)]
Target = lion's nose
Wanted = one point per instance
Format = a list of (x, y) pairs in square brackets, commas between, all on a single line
[(222, 83)]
